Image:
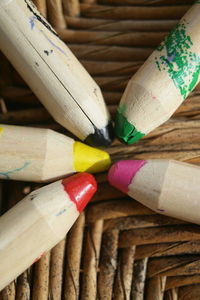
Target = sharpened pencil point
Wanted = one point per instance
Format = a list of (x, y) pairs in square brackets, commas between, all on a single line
[(101, 137), (90, 159), (125, 131), (121, 173), (80, 188)]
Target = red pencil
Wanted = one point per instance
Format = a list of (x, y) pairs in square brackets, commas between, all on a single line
[(40, 221)]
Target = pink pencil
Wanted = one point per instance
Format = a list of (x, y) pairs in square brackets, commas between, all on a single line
[(166, 186)]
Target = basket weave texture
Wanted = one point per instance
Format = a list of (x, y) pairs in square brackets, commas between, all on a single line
[(118, 249)]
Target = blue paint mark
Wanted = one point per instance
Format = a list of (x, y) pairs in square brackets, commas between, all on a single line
[(61, 212), (52, 43), (171, 58), (6, 174), (32, 21), (161, 209), (38, 16)]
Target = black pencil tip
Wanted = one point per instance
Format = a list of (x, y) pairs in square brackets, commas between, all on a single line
[(101, 137)]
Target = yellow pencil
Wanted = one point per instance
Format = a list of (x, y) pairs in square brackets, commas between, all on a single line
[(35, 154)]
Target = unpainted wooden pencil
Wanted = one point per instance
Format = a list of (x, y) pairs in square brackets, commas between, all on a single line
[(15, 194)]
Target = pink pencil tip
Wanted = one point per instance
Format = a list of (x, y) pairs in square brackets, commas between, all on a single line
[(121, 173)]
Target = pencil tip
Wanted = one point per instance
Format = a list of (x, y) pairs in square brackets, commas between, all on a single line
[(90, 159), (121, 173), (101, 137), (125, 131), (80, 188)]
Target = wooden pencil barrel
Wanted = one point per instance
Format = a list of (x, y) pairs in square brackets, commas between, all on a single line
[(166, 78), (39, 226), (50, 68)]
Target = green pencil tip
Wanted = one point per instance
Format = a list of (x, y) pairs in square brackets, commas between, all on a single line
[(125, 131)]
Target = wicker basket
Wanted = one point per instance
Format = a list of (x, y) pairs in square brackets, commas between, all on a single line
[(118, 249)]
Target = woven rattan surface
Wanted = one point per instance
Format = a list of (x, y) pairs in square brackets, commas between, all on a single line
[(118, 249)]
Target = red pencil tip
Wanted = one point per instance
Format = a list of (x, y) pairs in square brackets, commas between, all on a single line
[(80, 188)]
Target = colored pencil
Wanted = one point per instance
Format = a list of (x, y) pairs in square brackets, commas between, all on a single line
[(40, 221), (36, 154), (166, 186), (163, 82), (54, 74)]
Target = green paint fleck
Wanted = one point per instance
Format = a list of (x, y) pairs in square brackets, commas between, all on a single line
[(182, 65), (125, 131)]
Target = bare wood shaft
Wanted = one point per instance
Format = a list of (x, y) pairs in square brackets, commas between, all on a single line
[(73, 250), (177, 281), (145, 3), (138, 221), (41, 278), (107, 53), (120, 25), (9, 292), (55, 13), (124, 274), (23, 286), (189, 292), (164, 249), (171, 294), (156, 288), (89, 1), (135, 39), (56, 270), (131, 12), (71, 8), (91, 260), (155, 235), (41, 6), (139, 276), (108, 264)]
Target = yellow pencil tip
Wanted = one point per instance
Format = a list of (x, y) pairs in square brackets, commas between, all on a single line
[(90, 159), (1, 130)]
